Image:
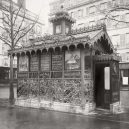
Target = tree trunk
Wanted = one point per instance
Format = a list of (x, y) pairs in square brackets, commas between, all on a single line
[(11, 97)]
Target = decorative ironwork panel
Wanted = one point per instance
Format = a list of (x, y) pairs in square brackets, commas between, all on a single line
[(56, 74), (72, 91), (88, 90), (22, 75), (23, 88), (34, 88), (33, 75), (51, 89), (67, 91), (44, 75)]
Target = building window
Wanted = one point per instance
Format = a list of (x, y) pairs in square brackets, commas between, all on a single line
[(80, 13), (81, 25), (58, 29), (127, 18), (103, 6), (113, 3), (87, 11), (122, 40), (91, 23), (92, 10), (102, 20), (124, 77), (127, 39), (15, 1), (116, 40)]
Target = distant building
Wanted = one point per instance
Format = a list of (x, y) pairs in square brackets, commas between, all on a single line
[(91, 12), (4, 58)]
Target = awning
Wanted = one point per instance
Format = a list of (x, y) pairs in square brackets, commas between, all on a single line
[(124, 65)]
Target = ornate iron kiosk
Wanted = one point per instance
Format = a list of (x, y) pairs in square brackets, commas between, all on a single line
[(71, 70)]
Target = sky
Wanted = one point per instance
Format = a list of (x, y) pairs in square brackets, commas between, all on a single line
[(40, 7)]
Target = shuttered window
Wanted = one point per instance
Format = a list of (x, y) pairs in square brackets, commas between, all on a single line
[(116, 40), (122, 40), (127, 39)]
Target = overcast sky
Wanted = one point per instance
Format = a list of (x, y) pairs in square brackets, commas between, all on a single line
[(39, 7)]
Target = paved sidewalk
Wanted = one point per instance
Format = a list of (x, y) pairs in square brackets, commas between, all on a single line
[(98, 114), (4, 102)]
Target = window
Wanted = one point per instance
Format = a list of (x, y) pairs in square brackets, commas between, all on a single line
[(67, 29), (80, 13), (127, 17), (91, 23), (92, 10), (103, 6), (116, 40), (87, 11), (81, 25), (58, 29), (127, 39), (113, 3), (15, 1), (102, 20), (122, 40), (125, 77)]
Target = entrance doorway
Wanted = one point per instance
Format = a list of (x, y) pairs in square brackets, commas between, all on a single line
[(102, 85)]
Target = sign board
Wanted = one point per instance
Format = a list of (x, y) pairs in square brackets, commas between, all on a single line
[(72, 60), (34, 63), (45, 62), (23, 63), (57, 61)]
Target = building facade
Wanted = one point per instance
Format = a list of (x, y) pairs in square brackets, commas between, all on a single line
[(91, 12), (4, 58)]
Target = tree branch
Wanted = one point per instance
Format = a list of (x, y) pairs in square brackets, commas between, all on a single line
[(25, 33), (5, 41), (21, 23)]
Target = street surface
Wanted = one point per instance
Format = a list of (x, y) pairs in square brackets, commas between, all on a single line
[(26, 118)]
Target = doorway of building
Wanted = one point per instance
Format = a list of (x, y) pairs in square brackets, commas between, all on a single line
[(102, 85)]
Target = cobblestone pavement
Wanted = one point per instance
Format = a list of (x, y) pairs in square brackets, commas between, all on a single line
[(28, 118)]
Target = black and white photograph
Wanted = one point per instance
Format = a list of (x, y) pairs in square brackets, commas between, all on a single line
[(64, 64)]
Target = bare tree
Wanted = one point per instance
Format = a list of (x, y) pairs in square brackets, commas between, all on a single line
[(13, 28), (109, 14)]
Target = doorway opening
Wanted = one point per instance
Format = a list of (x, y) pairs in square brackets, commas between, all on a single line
[(102, 85)]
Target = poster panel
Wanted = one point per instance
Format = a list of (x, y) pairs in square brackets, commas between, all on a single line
[(45, 62), (125, 80), (72, 60), (34, 63), (23, 63), (57, 61)]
